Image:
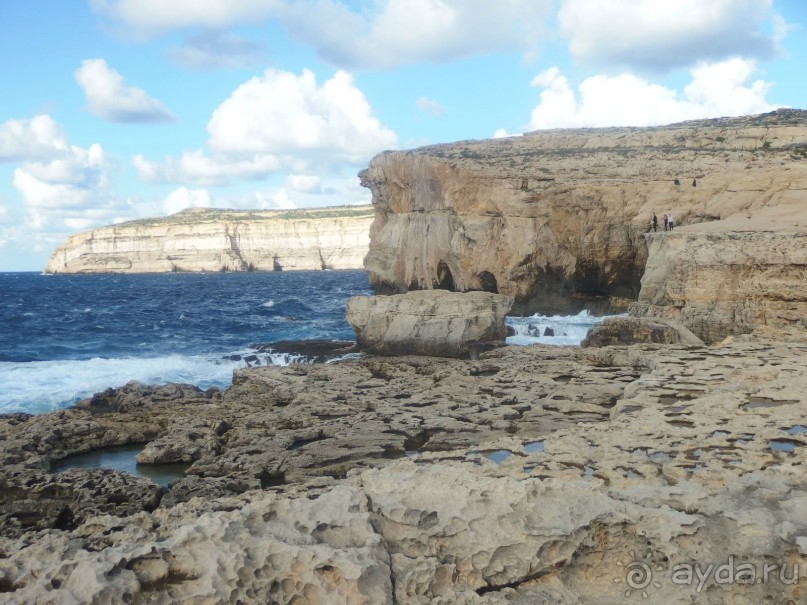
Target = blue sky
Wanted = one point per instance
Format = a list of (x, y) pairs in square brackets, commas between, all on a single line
[(119, 109)]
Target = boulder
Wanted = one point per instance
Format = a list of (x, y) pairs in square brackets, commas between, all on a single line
[(636, 330), (435, 322)]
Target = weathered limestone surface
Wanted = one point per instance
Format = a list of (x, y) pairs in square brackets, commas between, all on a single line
[(222, 240), (722, 283), (556, 217), (447, 324), (697, 457), (634, 330)]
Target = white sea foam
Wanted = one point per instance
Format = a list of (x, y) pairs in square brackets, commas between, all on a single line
[(268, 304), (568, 329), (41, 386)]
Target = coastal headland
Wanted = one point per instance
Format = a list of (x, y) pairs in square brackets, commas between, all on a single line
[(639, 472), (204, 239)]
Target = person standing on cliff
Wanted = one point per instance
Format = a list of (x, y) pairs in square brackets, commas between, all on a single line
[(666, 221), (670, 221), (655, 222)]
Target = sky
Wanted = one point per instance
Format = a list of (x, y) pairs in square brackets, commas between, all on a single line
[(112, 110)]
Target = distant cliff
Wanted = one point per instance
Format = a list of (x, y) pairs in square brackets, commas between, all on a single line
[(202, 239), (559, 218)]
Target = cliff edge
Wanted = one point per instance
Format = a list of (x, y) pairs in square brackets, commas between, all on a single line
[(559, 219), (202, 239)]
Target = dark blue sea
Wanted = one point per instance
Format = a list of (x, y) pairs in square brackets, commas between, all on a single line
[(66, 337)]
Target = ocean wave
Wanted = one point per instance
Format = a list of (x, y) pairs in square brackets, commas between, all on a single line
[(552, 329)]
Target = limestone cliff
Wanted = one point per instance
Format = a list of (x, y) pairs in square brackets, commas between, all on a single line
[(222, 240), (726, 283), (557, 218)]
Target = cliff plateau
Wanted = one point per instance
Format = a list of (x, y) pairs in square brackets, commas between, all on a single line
[(201, 239), (559, 218)]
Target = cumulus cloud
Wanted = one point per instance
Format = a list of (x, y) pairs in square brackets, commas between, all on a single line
[(659, 34), (218, 50), (715, 90), (110, 99), (74, 186), (283, 113), (183, 198), (26, 139), (279, 121), (377, 34), (430, 106)]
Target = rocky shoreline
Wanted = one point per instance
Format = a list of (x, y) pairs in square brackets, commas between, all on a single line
[(662, 462), (533, 474)]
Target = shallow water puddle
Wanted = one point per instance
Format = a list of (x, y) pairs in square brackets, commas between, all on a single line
[(534, 446), (784, 445), (497, 456), (122, 458), (764, 402)]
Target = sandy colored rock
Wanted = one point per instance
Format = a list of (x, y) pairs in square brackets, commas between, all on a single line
[(634, 330), (201, 239), (725, 283), (700, 463), (446, 324), (556, 218)]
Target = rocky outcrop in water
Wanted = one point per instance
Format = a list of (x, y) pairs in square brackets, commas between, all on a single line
[(558, 218), (222, 240), (566, 476), (446, 324)]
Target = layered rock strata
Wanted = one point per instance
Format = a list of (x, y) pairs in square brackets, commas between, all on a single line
[(699, 465), (556, 218), (446, 324), (730, 282), (222, 240)]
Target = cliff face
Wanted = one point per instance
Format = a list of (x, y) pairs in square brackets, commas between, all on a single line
[(222, 240), (733, 282), (557, 218)]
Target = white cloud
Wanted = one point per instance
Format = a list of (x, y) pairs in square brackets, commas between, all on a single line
[(218, 50), (75, 186), (152, 17), (304, 183), (284, 114), (375, 34), (110, 99), (720, 89), (430, 106), (501, 133), (279, 121), (281, 200), (196, 168), (39, 137), (183, 198), (661, 34), (389, 33)]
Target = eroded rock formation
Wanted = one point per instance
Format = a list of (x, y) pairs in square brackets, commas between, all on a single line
[(556, 218), (728, 282), (685, 457), (222, 240), (447, 324)]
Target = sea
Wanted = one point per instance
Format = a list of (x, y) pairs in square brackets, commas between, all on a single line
[(66, 337)]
